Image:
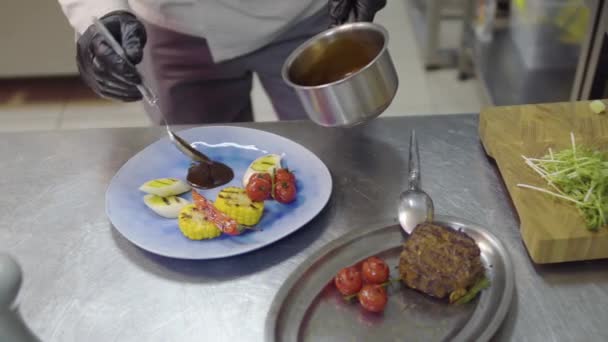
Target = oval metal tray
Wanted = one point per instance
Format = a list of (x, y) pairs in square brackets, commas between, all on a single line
[(309, 308)]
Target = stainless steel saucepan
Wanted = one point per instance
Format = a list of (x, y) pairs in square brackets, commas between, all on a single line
[(345, 75)]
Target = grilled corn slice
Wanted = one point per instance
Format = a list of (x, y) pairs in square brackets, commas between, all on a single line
[(194, 225), (235, 203)]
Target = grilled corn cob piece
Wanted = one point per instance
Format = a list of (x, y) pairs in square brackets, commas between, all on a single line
[(194, 225), (235, 203)]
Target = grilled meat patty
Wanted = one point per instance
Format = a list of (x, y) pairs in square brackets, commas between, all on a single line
[(440, 261)]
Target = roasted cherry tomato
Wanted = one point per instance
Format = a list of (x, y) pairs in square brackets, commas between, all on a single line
[(284, 175), (348, 281), (284, 192), (375, 271), (265, 176), (373, 297), (258, 189)]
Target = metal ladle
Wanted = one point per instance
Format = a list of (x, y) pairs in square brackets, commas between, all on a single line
[(151, 98), (215, 173), (415, 205)]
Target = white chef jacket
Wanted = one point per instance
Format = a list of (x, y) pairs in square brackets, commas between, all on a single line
[(231, 27)]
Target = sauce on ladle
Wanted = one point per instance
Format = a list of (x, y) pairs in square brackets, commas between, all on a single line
[(209, 175), (203, 173)]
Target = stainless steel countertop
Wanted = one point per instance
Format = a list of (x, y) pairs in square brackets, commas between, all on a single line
[(85, 282)]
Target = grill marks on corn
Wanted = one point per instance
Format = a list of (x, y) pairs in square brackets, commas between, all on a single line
[(235, 203), (196, 212), (194, 225)]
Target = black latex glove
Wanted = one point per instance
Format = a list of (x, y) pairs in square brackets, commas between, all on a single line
[(101, 68), (363, 10)]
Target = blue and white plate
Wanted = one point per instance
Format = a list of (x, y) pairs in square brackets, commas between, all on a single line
[(237, 147)]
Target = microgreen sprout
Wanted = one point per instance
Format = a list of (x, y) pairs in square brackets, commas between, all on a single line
[(578, 175)]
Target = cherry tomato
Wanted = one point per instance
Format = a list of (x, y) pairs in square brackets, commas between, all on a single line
[(348, 281), (285, 192), (375, 271), (264, 175), (258, 189), (373, 297), (284, 175)]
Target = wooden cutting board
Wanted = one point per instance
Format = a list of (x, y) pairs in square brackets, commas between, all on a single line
[(552, 229)]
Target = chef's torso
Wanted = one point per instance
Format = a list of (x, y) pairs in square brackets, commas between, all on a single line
[(231, 27)]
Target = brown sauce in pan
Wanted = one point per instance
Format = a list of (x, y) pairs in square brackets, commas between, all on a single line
[(337, 61), (208, 176)]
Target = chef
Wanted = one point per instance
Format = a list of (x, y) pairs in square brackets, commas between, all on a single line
[(199, 55)]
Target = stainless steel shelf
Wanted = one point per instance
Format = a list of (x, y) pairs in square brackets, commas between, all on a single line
[(507, 80)]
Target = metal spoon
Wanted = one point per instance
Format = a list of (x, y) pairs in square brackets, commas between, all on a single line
[(415, 205), (151, 98)]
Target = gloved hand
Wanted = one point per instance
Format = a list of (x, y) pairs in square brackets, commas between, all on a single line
[(101, 68), (363, 10)]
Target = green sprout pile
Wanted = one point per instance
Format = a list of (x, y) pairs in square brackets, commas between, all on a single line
[(578, 175)]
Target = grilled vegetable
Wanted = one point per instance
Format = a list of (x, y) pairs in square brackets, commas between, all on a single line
[(483, 283), (284, 189), (265, 164), (284, 175), (375, 271), (194, 225), (259, 187), (168, 207), (235, 203), (349, 281), (285, 192), (265, 176), (373, 297), (165, 187), (226, 224)]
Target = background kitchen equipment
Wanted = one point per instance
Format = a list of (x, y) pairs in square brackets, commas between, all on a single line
[(592, 81), (540, 51), (345, 75)]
